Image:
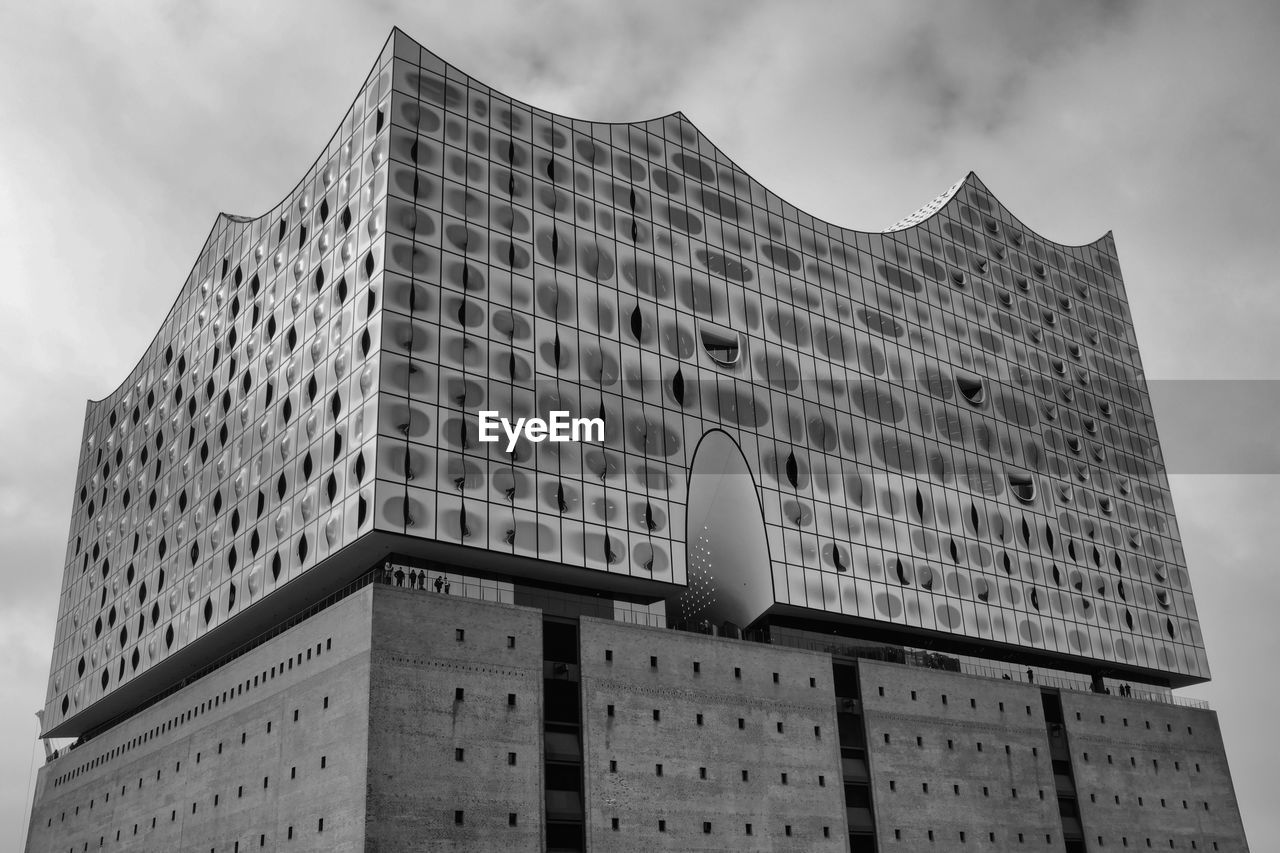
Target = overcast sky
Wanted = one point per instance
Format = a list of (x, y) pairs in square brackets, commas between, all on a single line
[(125, 128)]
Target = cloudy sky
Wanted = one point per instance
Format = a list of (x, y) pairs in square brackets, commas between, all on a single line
[(125, 128)]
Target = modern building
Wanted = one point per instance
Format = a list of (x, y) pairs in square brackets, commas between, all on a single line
[(876, 550)]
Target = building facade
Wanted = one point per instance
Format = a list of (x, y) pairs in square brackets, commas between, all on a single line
[(876, 539)]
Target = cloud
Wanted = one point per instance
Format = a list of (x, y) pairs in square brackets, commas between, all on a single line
[(123, 134)]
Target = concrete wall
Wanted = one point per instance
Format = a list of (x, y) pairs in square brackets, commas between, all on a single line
[(188, 773), (982, 754), (416, 724), (774, 685), (1147, 772)]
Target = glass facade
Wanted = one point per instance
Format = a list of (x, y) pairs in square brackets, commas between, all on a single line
[(946, 424)]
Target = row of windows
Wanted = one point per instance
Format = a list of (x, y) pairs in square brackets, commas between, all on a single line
[(262, 838), (610, 711), (1133, 762), (1124, 842), (973, 703), (955, 789), (963, 837), (1093, 798), (783, 779), (195, 711), (1102, 719), (951, 744), (697, 669), (748, 829)]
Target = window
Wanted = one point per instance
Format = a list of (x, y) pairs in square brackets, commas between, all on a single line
[(817, 731), (775, 678), (460, 635), (657, 769), (653, 661), (748, 829), (745, 775), (459, 754), (784, 778), (511, 759), (320, 825), (613, 824), (459, 816), (699, 719), (512, 819), (657, 715), (893, 785), (742, 724), (737, 672), (702, 772), (511, 699), (779, 727), (459, 694), (613, 766), (323, 761), (608, 655), (662, 826), (608, 711), (511, 644), (913, 696), (706, 827), (787, 829), (813, 682), (697, 667), (924, 787)]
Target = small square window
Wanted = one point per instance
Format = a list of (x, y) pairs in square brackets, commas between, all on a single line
[(511, 644), (706, 827), (459, 816), (460, 635)]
